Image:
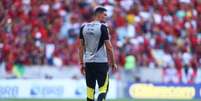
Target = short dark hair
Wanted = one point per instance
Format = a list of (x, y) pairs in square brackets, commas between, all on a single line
[(99, 10)]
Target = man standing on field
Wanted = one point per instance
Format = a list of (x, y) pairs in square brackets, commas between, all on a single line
[(95, 51)]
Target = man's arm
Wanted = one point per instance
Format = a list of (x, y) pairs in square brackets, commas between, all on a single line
[(109, 48), (81, 51), (81, 54), (110, 53)]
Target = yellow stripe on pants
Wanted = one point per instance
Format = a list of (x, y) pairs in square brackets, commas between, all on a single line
[(103, 89), (90, 93)]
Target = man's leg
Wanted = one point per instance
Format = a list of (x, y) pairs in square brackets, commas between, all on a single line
[(90, 81), (103, 81)]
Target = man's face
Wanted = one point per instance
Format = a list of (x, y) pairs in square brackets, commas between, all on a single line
[(102, 16)]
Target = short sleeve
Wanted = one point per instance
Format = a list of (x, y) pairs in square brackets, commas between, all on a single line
[(81, 33), (105, 32)]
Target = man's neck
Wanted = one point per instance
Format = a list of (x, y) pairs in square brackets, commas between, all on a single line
[(97, 19)]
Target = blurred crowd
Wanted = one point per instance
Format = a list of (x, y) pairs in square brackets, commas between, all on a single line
[(144, 33)]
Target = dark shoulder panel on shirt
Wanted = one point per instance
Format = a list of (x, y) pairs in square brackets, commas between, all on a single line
[(81, 32), (105, 32)]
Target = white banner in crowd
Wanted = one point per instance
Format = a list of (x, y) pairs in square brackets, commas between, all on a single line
[(56, 88)]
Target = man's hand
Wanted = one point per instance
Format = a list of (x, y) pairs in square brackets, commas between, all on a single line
[(114, 68), (82, 69)]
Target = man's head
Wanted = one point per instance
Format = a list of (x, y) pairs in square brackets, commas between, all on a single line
[(100, 14)]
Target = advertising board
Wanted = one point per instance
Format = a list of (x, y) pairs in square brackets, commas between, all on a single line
[(165, 91), (56, 88)]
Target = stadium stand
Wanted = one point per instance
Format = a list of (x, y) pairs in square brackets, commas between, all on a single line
[(145, 33)]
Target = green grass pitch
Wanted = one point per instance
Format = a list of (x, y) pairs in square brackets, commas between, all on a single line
[(85, 100)]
